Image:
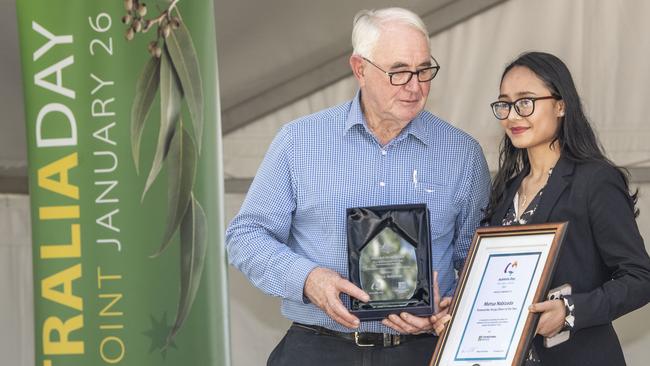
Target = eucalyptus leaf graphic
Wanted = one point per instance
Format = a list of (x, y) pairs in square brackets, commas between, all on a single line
[(171, 97), (183, 55), (145, 92), (193, 250), (181, 166), (174, 70)]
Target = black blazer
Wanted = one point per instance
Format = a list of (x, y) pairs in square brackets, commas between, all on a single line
[(603, 257)]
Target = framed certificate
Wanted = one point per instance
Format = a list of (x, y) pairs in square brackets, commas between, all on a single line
[(507, 269)]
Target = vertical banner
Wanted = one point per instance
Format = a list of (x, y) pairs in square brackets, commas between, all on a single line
[(125, 179)]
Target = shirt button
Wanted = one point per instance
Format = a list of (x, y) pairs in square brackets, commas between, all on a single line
[(384, 152), (381, 184)]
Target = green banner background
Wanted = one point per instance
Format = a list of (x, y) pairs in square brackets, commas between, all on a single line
[(110, 302)]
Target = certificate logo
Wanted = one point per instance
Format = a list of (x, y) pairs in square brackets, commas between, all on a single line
[(510, 268)]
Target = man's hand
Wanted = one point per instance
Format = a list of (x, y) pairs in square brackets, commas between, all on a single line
[(323, 288), (551, 321), (406, 323)]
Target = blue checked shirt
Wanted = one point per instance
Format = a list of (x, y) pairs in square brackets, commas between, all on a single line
[(293, 218)]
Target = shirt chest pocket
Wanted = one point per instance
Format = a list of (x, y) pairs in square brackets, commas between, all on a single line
[(441, 203)]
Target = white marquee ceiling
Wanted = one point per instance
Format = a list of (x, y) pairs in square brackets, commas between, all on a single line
[(261, 44)]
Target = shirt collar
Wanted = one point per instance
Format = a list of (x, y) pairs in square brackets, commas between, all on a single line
[(356, 117)]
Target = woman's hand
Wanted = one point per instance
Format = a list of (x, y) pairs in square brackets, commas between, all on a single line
[(552, 318)]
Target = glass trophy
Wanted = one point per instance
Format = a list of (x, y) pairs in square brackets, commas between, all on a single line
[(389, 258)]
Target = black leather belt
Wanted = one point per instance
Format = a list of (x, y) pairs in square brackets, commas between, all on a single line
[(366, 339)]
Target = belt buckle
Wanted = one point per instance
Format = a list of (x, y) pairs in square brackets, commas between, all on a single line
[(358, 343)]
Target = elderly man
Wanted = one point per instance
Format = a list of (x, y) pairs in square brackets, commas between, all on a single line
[(381, 148)]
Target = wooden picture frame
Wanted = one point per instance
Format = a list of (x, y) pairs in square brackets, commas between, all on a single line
[(507, 269)]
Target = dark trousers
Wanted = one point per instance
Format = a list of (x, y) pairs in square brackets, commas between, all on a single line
[(304, 347)]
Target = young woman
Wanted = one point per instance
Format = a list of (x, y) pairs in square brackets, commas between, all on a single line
[(551, 169)]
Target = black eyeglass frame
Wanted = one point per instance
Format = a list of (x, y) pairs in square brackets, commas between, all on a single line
[(390, 74), (514, 104)]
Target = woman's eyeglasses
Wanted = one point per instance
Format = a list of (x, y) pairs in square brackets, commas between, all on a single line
[(523, 106)]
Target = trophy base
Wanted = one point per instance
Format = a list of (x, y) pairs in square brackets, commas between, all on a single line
[(382, 313), (386, 304)]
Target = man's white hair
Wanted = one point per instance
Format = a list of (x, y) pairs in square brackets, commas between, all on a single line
[(367, 27)]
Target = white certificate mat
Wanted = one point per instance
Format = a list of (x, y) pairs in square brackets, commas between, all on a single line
[(497, 307), (507, 270)]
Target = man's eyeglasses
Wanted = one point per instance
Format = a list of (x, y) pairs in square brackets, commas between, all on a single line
[(523, 106), (398, 78)]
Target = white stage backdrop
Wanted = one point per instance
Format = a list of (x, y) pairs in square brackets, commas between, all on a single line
[(607, 47), (16, 287)]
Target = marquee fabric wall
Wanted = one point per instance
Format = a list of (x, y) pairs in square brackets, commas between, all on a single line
[(16, 286), (604, 43)]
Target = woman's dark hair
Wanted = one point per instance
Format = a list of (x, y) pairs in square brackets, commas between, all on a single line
[(575, 137)]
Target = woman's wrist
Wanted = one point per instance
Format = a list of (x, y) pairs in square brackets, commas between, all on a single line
[(569, 307)]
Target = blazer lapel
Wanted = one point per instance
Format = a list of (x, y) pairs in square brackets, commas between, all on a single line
[(554, 188), (508, 196)]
